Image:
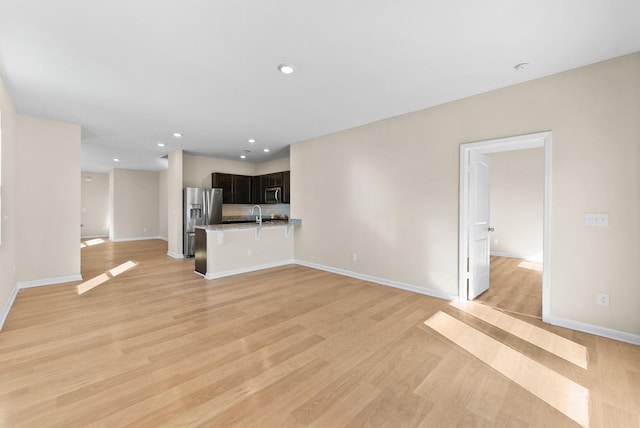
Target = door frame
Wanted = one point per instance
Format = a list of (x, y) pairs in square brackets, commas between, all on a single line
[(520, 142)]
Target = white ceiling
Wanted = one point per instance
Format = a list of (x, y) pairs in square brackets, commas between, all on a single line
[(133, 72)]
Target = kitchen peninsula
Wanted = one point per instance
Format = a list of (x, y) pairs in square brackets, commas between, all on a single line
[(230, 249)]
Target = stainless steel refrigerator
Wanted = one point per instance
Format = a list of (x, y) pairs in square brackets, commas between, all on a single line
[(201, 207)]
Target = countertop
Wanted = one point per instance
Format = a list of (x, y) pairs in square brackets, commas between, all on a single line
[(240, 226)]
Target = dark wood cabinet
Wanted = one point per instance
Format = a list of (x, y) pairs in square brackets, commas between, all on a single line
[(286, 181), (201, 251), (274, 179), (244, 189), (259, 184), (236, 189)]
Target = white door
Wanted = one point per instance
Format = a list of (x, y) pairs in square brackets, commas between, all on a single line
[(479, 226)]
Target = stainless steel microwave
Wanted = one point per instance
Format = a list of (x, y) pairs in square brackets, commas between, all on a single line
[(273, 195)]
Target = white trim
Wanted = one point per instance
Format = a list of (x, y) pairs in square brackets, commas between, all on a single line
[(48, 281), (509, 255), (381, 281), (247, 269), (175, 255), (93, 236), (140, 238), (622, 336), (540, 139), (7, 307)]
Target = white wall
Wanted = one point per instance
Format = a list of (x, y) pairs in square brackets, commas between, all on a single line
[(47, 170), (94, 202), (388, 191), (135, 204), (517, 196)]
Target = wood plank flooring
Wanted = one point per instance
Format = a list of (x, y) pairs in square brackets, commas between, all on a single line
[(516, 286), (159, 346)]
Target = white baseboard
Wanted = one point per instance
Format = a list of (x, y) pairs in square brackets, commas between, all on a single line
[(48, 281), (510, 255), (247, 269), (94, 236), (175, 255), (382, 281), (609, 333), (30, 284), (140, 238), (7, 307)]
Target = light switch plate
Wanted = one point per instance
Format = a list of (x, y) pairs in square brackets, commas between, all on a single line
[(596, 219)]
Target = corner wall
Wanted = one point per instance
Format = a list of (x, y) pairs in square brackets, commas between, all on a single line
[(388, 191), (47, 162), (135, 201), (517, 201), (94, 202), (8, 217)]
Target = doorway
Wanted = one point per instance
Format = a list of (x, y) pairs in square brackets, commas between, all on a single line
[(473, 195)]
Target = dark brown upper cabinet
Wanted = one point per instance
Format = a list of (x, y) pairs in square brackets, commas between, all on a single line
[(236, 189)]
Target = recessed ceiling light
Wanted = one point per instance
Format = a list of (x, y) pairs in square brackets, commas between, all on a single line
[(252, 140), (521, 66), (177, 134), (285, 68), (266, 150), (243, 156), (116, 160), (160, 144)]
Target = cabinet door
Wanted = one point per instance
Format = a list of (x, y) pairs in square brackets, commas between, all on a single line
[(242, 189), (259, 184), (286, 181), (224, 181), (274, 179)]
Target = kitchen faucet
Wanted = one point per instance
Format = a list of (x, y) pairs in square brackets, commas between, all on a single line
[(259, 216)]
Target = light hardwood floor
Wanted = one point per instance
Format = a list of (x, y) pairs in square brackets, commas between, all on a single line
[(516, 286), (160, 346)]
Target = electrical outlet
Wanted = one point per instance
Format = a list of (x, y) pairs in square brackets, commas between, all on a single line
[(354, 257), (249, 252), (596, 219), (603, 299)]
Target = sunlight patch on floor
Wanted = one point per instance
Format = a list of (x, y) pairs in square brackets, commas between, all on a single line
[(563, 394), (104, 277), (91, 242), (122, 268), (550, 342), (531, 266)]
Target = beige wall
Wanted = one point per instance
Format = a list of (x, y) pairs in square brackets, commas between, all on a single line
[(94, 202), (197, 169), (174, 203), (163, 207), (517, 194), (275, 165), (135, 204), (47, 162), (389, 191), (8, 209)]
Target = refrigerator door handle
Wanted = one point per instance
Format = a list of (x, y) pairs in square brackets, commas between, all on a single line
[(205, 207)]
